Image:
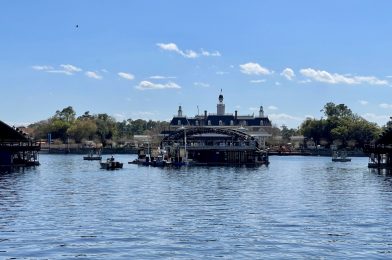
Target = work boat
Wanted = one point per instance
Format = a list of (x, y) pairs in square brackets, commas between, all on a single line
[(111, 164), (340, 156), (92, 157)]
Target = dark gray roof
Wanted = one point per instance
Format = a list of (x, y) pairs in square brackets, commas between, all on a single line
[(224, 119), (10, 134)]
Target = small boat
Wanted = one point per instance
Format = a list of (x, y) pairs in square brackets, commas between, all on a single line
[(340, 157), (111, 164), (92, 157)]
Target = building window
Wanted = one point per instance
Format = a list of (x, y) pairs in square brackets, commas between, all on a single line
[(179, 122), (244, 122), (209, 122), (231, 122), (261, 122), (197, 122), (220, 122)]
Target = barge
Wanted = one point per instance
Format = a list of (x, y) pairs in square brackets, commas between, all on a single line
[(17, 149)]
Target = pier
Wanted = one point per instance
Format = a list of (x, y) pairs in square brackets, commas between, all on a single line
[(380, 152), (17, 148)]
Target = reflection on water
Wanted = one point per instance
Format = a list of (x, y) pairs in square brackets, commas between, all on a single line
[(298, 207)]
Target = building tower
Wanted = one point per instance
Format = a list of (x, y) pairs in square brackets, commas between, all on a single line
[(261, 112), (220, 107), (179, 111)]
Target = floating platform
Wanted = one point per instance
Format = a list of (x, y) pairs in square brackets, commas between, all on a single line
[(210, 146)]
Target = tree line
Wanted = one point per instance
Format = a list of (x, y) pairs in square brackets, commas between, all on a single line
[(65, 126), (339, 126)]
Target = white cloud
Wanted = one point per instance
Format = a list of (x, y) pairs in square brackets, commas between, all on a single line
[(93, 75), (256, 81), (385, 105), (254, 108), (335, 78), (305, 81), (162, 77), (272, 108), (252, 68), (187, 53), (144, 85), (70, 68), (42, 67), (125, 75), (143, 113), (120, 116), (201, 84), (283, 116), (363, 102), (309, 116), (207, 53), (60, 72), (379, 119), (288, 73), (66, 69)]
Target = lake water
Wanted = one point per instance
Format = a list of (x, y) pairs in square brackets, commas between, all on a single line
[(297, 207)]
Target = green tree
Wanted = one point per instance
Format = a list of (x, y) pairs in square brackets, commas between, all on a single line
[(67, 115), (341, 126), (82, 129), (106, 127)]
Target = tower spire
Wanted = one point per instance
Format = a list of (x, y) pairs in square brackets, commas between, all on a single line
[(220, 107)]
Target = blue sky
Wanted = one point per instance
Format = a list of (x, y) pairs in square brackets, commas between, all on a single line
[(142, 59)]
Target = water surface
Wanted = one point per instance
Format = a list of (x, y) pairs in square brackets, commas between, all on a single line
[(298, 207)]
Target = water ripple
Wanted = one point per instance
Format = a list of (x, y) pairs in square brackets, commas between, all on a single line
[(298, 207)]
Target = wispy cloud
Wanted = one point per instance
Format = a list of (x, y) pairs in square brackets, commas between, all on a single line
[(147, 85), (126, 76), (93, 75), (379, 119), (66, 69), (283, 117), (272, 107), (201, 84), (363, 102), (252, 68), (221, 73), (187, 53), (207, 53), (288, 73), (162, 77), (335, 78), (41, 67), (385, 105), (70, 68), (257, 81)]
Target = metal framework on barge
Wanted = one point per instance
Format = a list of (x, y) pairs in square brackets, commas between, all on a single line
[(213, 146)]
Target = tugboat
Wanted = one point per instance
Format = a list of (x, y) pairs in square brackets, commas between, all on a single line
[(111, 164)]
